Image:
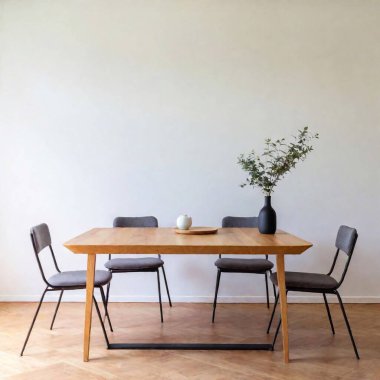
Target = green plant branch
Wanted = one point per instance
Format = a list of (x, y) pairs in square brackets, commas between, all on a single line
[(278, 159)]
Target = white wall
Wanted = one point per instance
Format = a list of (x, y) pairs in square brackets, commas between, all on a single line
[(114, 108)]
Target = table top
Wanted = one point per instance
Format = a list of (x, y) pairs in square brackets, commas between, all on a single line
[(166, 241)]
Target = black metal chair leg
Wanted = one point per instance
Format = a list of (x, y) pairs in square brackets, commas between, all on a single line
[(216, 294), (101, 321), (34, 320), (105, 304), (56, 310), (276, 334), (266, 288), (273, 311), (159, 295), (328, 313), (166, 285), (108, 291), (107, 297), (274, 287), (347, 324), (274, 291)]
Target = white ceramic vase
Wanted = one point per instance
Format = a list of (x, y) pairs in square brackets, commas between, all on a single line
[(184, 222)]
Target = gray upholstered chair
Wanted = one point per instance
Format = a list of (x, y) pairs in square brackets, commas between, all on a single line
[(61, 281), (322, 283), (239, 265), (140, 264)]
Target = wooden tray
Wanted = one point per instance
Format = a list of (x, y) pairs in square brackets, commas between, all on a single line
[(197, 231)]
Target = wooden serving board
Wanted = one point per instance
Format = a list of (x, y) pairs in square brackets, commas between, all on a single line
[(197, 231)]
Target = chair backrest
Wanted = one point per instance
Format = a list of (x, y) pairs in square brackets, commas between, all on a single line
[(135, 221), (139, 221), (345, 241), (240, 222), (41, 239)]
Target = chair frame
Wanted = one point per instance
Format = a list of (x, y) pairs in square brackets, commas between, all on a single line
[(333, 291), (220, 271), (52, 288), (156, 270)]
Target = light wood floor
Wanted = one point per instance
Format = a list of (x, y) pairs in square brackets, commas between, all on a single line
[(315, 353)]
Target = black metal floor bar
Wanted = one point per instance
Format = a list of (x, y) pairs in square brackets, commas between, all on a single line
[(181, 346), (190, 346), (185, 346)]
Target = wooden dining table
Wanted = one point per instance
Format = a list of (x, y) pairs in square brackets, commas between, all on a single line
[(231, 241)]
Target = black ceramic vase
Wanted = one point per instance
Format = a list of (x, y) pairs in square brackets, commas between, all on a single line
[(267, 218)]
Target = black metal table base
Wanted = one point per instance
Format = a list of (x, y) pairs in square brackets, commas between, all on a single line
[(190, 346)]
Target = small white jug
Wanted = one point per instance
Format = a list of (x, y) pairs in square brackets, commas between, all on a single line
[(184, 222)]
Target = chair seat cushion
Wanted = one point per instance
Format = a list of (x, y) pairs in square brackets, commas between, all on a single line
[(302, 280), (134, 264), (77, 278), (243, 265)]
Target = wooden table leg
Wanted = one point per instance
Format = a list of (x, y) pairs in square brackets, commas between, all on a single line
[(91, 260), (280, 260)]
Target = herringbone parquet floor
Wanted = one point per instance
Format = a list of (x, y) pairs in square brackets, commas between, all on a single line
[(315, 353)]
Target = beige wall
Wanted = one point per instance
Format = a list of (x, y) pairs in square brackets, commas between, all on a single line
[(141, 107)]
